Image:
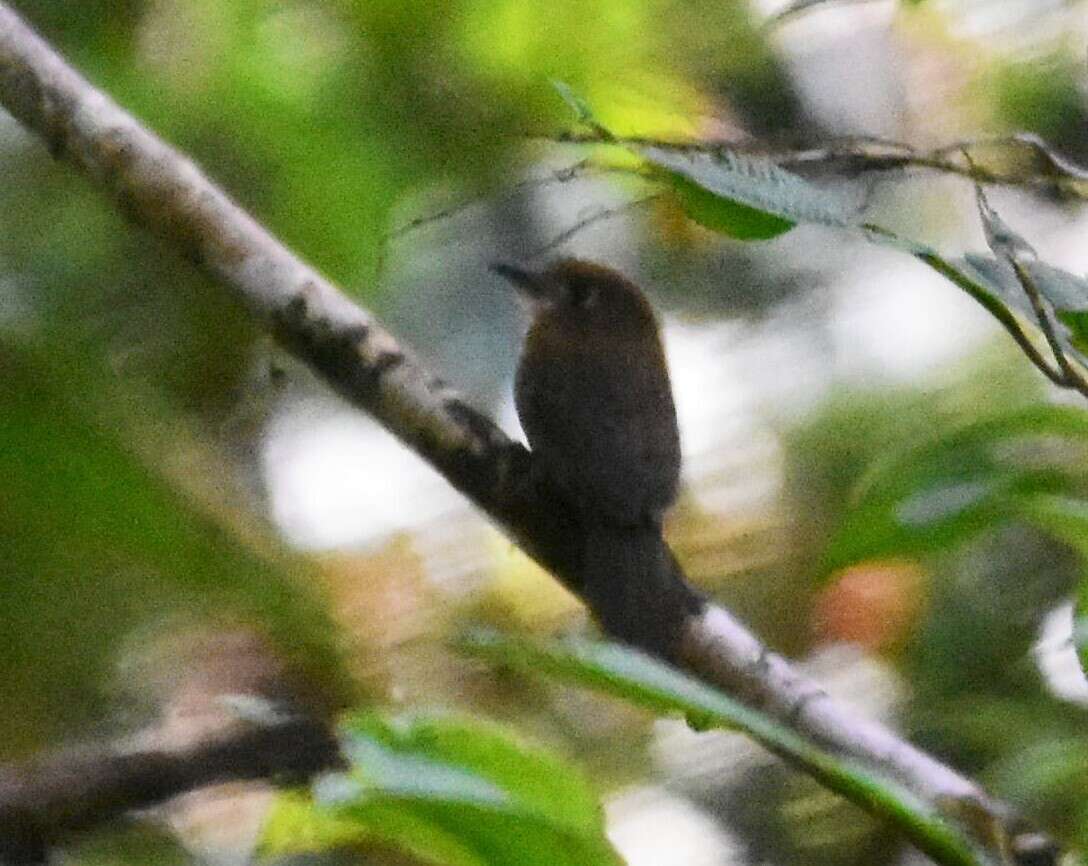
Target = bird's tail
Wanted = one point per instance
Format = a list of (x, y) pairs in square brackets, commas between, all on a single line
[(631, 586)]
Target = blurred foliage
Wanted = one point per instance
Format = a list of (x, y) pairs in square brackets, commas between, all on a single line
[(103, 532), (940, 493), (1043, 96), (976, 583), (855, 431), (391, 96), (137, 847), (448, 791)]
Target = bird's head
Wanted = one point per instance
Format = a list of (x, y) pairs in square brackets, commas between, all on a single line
[(581, 295)]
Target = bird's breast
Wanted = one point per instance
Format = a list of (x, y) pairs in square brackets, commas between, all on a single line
[(599, 415)]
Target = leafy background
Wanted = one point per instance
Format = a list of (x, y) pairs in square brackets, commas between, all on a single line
[(875, 478)]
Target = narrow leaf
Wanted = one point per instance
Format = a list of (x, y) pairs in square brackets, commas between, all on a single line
[(1064, 293), (536, 777), (582, 112), (725, 216), (635, 677), (1000, 237)]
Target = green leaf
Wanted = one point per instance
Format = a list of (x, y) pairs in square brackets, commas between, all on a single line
[(1064, 290), (1074, 327), (943, 514), (294, 826), (995, 284), (744, 196), (637, 678), (540, 779), (997, 277), (1063, 517), (449, 791), (725, 216), (738, 195), (944, 491)]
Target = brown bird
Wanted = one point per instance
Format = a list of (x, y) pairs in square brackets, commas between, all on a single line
[(593, 395)]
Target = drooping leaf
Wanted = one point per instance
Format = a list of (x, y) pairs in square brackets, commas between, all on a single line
[(1065, 295), (1018, 274), (538, 777), (1001, 238), (745, 196), (739, 195), (635, 677), (448, 791), (725, 216), (995, 284)]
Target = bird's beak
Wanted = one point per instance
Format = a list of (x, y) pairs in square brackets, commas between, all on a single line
[(535, 286)]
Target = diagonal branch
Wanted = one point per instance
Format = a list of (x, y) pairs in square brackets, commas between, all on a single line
[(591, 219), (161, 190), (1022, 159)]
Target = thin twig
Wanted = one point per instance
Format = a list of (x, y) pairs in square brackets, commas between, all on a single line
[(1030, 140), (874, 154), (597, 216), (559, 176), (800, 7)]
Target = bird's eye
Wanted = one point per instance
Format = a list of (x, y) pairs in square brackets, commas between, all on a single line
[(582, 294)]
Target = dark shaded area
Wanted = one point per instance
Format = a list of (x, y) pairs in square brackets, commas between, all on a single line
[(44, 801)]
